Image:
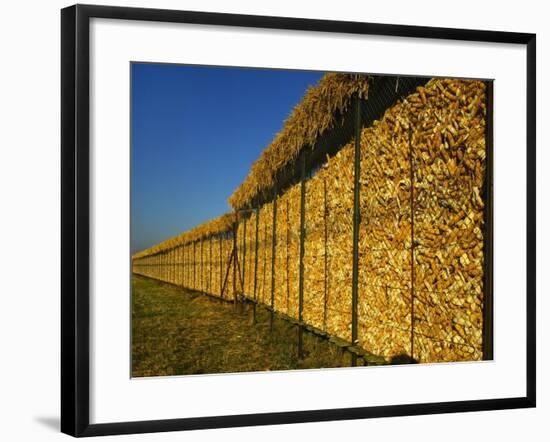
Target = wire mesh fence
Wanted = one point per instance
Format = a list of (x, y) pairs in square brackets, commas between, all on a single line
[(380, 240)]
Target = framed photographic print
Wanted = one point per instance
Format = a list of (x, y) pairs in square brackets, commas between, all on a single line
[(274, 220)]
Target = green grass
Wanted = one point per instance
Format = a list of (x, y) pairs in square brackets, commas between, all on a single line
[(176, 332)]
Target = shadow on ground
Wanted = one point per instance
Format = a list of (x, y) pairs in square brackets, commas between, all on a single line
[(50, 422)]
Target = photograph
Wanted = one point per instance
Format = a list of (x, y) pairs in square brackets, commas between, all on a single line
[(288, 219), (272, 219)]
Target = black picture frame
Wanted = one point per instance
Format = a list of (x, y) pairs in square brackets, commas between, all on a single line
[(75, 226)]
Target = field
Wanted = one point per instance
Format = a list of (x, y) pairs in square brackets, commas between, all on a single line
[(180, 332)]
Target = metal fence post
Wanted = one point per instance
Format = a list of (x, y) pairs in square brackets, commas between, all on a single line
[(167, 275), (239, 274), (287, 259), (179, 266), (235, 226), (221, 264), (187, 268), (325, 216), (210, 267), (302, 252), (256, 260), (183, 263), (199, 265), (170, 265), (273, 252), (244, 254), (356, 224), (264, 266)]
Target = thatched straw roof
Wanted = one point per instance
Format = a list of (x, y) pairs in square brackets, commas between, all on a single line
[(215, 226), (309, 119)]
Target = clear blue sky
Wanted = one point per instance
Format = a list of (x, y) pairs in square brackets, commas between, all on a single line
[(195, 133)]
